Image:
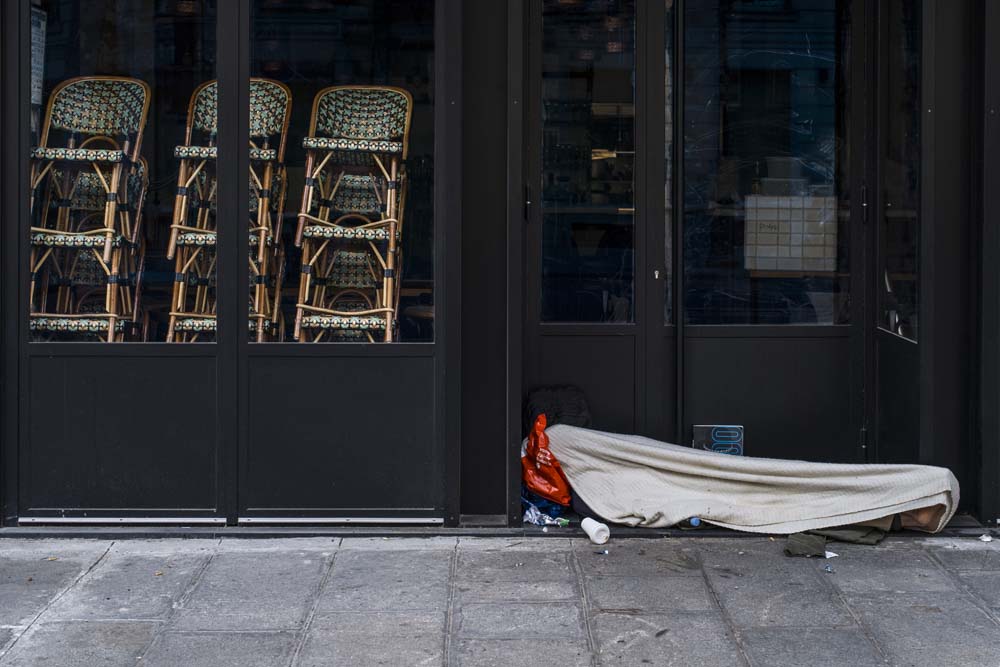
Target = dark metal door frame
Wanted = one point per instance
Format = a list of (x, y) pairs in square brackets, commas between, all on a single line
[(231, 354), (524, 47), (648, 22), (989, 279), (445, 350)]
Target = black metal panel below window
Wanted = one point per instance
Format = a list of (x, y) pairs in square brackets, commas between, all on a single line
[(602, 366), (792, 395), (341, 435), (112, 434)]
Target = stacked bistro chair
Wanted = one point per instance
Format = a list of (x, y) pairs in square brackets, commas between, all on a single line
[(193, 231), (350, 221), (88, 185)]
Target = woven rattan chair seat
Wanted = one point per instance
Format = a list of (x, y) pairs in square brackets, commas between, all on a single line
[(209, 238), (78, 154), (71, 240), (73, 324), (363, 145), (212, 152), (346, 233), (359, 323)]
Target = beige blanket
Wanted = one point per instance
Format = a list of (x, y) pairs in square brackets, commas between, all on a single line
[(642, 482)]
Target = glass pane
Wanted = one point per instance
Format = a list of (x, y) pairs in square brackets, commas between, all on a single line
[(899, 222), (110, 85), (766, 205), (588, 158), (343, 244)]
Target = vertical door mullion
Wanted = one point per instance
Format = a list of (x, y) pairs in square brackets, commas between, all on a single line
[(652, 211), (516, 178), (14, 20), (533, 176), (448, 248), (875, 116), (863, 214), (677, 228), (232, 27), (641, 259)]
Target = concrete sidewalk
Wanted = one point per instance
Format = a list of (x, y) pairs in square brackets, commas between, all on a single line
[(482, 601)]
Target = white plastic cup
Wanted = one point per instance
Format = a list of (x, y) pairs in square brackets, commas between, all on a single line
[(598, 532)]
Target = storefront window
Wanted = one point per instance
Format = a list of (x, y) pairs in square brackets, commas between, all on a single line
[(766, 206), (899, 223), (588, 158), (342, 228), (113, 208)]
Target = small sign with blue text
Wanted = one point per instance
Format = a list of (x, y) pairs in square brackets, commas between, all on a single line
[(722, 438)]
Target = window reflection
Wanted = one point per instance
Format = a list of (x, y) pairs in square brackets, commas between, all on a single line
[(588, 158), (765, 159), (353, 258), (110, 83)]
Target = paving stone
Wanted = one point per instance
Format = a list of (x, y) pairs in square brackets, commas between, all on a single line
[(365, 651), (475, 590), (878, 569), (387, 580), (81, 643), (172, 546), (520, 652), (790, 597), (28, 582), (220, 649), (640, 557), (970, 554), (684, 638), (514, 566), (399, 543), (749, 556), (389, 624), (280, 544), (404, 638), (930, 629), (253, 591), (986, 585), (5, 636), (515, 543), (649, 593), (65, 549), (518, 620), (810, 646), (126, 586)]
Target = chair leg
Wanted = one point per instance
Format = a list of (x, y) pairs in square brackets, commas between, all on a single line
[(180, 208), (177, 297), (111, 209), (307, 193), (264, 212), (303, 289)]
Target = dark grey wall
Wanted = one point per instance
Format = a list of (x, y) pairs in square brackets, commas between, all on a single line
[(484, 261), (947, 267), (987, 122)]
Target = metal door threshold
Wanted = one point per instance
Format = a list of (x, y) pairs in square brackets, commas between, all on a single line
[(341, 521), (120, 520)]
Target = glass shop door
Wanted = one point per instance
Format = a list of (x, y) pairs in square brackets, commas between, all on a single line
[(695, 255), (343, 358), (231, 233)]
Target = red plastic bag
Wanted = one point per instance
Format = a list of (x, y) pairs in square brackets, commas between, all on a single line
[(540, 470)]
